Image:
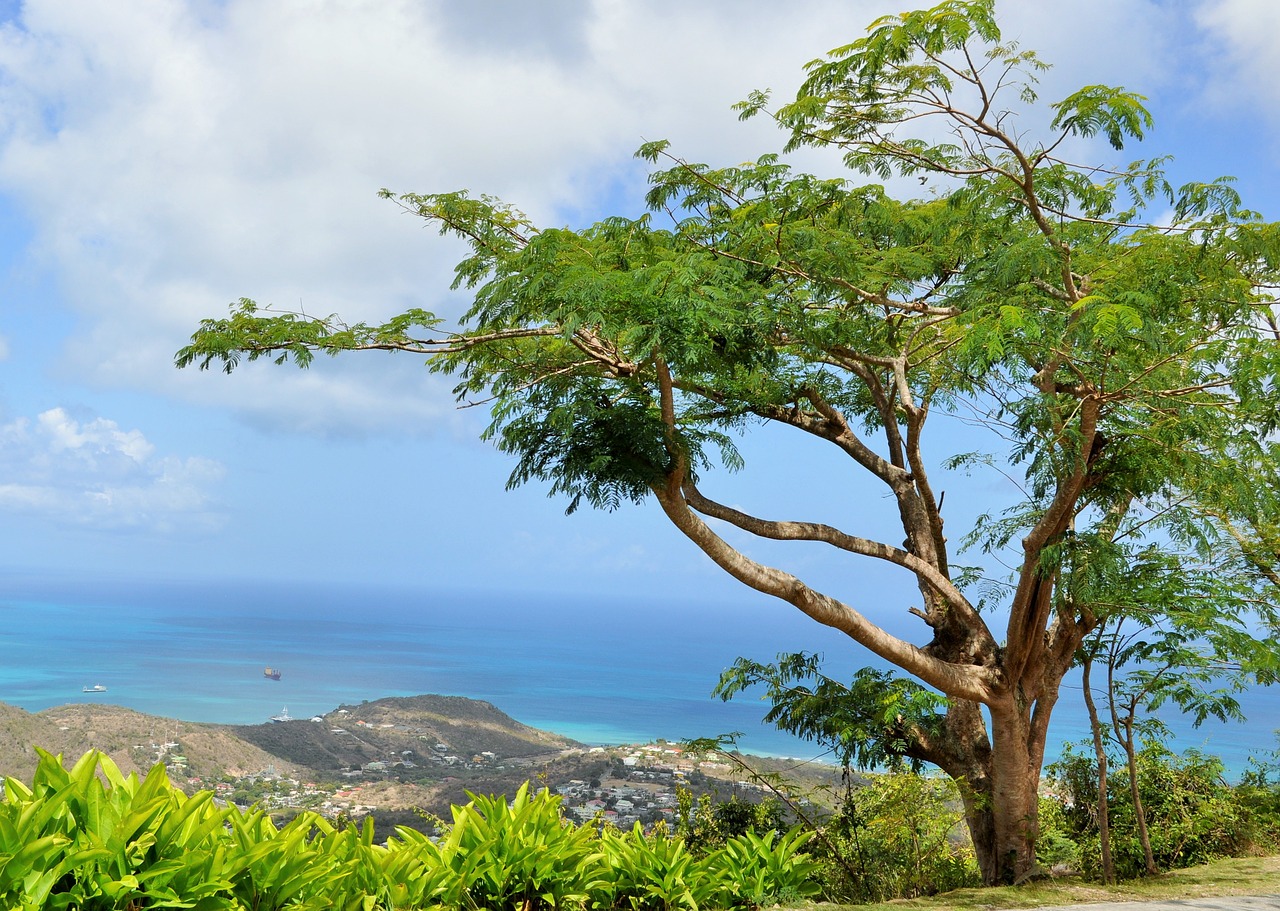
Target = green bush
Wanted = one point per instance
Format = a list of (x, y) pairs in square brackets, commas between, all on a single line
[(1056, 846), (1193, 815), (1261, 802), (899, 836), (645, 873), (753, 870), (91, 838), (521, 855), (1259, 792), (706, 824)]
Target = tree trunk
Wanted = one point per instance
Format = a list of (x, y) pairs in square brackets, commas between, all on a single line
[(1104, 821), (1015, 790), (1139, 814), (964, 753), (1000, 790), (982, 829)]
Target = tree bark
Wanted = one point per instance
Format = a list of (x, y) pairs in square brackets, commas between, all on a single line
[(999, 782), (1139, 813), (1015, 791), (1104, 821)]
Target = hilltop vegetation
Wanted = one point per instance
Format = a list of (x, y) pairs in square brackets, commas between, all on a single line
[(134, 741), (415, 726), (389, 757), (350, 738)]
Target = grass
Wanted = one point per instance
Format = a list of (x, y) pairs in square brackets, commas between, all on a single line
[(1237, 876)]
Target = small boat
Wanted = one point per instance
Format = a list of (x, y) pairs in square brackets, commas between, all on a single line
[(283, 716), (271, 673), (96, 688)]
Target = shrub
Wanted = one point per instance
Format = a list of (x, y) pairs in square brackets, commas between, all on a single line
[(90, 838), (752, 870), (901, 835), (1056, 846), (653, 873), (1193, 815)]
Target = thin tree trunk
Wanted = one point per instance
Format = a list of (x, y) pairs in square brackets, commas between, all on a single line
[(1124, 733), (1104, 822), (1139, 814)]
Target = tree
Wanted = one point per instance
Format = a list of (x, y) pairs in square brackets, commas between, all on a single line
[(1106, 357), (1158, 645)]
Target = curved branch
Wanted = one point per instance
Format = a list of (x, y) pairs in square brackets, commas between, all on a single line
[(826, 534), (963, 681), (1032, 600)]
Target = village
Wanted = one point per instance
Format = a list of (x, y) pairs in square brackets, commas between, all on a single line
[(635, 784)]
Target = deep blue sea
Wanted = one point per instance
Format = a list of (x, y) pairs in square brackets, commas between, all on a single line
[(607, 670)]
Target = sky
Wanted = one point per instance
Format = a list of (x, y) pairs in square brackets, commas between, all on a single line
[(160, 159)]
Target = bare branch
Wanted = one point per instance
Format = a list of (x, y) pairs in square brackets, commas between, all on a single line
[(964, 681)]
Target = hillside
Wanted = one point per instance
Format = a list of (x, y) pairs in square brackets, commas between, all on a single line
[(415, 729), (350, 737), (391, 758), (134, 741)]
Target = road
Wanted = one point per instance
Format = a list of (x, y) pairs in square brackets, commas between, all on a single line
[(1226, 903)]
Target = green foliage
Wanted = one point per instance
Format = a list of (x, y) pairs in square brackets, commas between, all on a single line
[(277, 868), (1259, 792), (754, 870), (90, 838), (728, 854), (653, 874), (706, 824), (903, 835), (1057, 845), (1101, 109), (869, 722), (1111, 336), (519, 855), (1193, 815)]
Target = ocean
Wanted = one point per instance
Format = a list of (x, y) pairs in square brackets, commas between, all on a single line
[(602, 671)]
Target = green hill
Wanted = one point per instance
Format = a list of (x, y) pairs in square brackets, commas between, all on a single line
[(419, 734)]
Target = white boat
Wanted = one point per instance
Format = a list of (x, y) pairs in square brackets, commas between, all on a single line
[(283, 716), (96, 688)]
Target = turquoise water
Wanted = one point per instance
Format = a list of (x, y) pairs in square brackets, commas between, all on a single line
[(607, 671)]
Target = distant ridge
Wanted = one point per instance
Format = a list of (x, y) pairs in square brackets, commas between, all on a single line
[(133, 740), (368, 732), (354, 735)]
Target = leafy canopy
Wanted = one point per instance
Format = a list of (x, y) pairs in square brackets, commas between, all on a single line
[(1125, 365)]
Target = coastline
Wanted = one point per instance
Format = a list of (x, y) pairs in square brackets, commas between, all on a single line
[(634, 674)]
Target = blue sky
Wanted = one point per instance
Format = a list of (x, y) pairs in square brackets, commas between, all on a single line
[(162, 158)]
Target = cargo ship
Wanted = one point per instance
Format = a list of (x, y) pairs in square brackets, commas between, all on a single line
[(271, 673)]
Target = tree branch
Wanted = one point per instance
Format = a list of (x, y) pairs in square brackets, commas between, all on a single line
[(826, 534), (963, 681)]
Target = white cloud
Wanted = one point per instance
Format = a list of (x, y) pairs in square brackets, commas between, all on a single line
[(175, 156), (93, 473), (1245, 77)]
